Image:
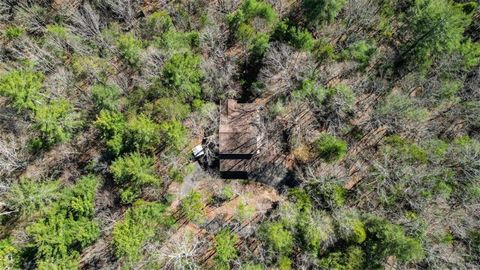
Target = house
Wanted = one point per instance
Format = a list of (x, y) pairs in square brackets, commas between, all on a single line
[(238, 138)]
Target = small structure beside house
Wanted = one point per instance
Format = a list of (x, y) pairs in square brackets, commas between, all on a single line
[(198, 151), (239, 138)]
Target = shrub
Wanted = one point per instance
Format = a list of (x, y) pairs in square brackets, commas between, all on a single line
[(181, 76), (28, 197), (351, 259), (192, 206), (130, 48), (9, 255), (106, 96), (252, 266), (400, 106), (244, 212), (315, 228), (309, 91), (330, 148), (450, 20), (139, 224), (173, 134), (251, 9), (340, 100), (55, 121), (241, 22), (474, 245), (13, 32), (295, 36), (277, 237), (225, 247), (361, 51), (141, 134), (226, 193), (178, 42), (133, 172), (284, 263), (385, 239), (322, 11), (324, 51), (91, 68), (158, 23), (58, 238), (350, 227), (166, 109), (404, 150), (112, 127), (22, 87)]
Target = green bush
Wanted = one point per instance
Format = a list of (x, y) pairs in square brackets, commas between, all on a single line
[(324, 51), (178, 42), (9, 255), (309, 91), (106, 97), (56, 122), (361, 51), (181, 77), (251, 9), (22, 87), (226, 193), (59, 238), (91, 67), (340, 99), (470, 51), (295, 36), (130, 48), (330, 148), (350, 227), (277, 237), (158, 23), (225, 247), (284, 263), (141, 134), (28, 197), (321, 11), (13, 32), (192, 206), (241, 23), (386, 239), (314, 229), (404, 150), (112, 126), (244, 212), (140, 223), (450, 20), (173, 134), (133, 172), (351, 259), (401, 106), (166, 109)]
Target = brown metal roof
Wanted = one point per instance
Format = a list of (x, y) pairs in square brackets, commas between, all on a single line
[(238, 131), (238, 134)]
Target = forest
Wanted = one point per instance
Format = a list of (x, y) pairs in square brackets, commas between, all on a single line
[(370, 154)]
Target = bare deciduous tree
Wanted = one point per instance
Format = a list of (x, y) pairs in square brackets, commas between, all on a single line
[(86, 23), (11, 155), (283, 67), (26, 49), (178, 254)]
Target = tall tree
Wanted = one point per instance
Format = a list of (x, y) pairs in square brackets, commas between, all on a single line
[(436, 27)]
